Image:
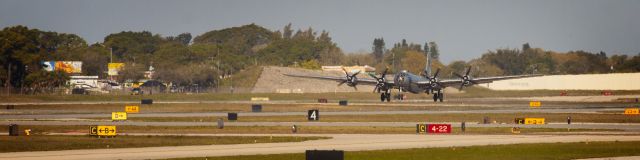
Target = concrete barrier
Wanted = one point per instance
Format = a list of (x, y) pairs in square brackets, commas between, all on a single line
[(614, 81)]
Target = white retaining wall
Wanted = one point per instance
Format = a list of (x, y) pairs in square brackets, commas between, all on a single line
[(614, 81)]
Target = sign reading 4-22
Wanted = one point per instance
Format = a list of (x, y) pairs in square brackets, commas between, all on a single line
[(439, 128), (313, 115)]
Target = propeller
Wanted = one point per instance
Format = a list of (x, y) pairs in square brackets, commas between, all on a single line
[(466, 80), (434, 79), (351, 80), (425, 74), (381, 81)]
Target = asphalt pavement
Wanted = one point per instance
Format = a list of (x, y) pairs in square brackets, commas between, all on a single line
[(346, 142)]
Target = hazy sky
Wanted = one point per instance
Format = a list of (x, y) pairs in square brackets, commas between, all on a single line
[(462, 29)]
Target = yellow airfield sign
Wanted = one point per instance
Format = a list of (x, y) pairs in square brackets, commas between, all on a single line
[(533, 120), (118, 116), (132, 109), (106, 130), (535, 104), (632, 111)]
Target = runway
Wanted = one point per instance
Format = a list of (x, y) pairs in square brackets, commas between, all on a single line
[(616, 126), (598, 109), (347, 142), (582, 99)]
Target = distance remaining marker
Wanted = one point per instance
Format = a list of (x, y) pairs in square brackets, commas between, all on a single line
[(313, 115)]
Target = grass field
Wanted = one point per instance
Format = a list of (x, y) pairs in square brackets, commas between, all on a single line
[(551, 151), (51, 143), (39, 130), (230, 107), (471, 92), (245, 78), (475, 117), (292, 107)]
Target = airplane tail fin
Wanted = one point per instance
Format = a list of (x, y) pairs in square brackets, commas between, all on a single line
[(427, 68)]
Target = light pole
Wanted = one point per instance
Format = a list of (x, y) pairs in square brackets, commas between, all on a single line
[(111, 54)]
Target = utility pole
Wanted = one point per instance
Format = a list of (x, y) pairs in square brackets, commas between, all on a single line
[(111, 54), (110, 61), (393, 62)]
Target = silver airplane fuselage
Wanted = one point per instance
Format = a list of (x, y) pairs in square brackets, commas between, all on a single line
[(406, 82)]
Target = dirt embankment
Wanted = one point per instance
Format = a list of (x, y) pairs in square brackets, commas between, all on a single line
[(273, 80)]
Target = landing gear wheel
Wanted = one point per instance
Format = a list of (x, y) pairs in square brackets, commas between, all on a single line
[(388, 95), (383, 96), (441, 96), (435, 97)]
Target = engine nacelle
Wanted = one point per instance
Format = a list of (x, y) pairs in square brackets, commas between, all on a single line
[(352, 81)]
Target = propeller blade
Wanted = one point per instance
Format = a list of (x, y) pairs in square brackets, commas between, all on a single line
[(468, 70), (345, 71), (461, 85), (355, 74), (376, 88), (437, 72), (354, 87), (458, 75), (340, 84), (385, 72), (372, 75)]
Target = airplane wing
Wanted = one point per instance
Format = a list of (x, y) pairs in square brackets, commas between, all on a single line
[(369, 81), (452, 82), (455, 82)]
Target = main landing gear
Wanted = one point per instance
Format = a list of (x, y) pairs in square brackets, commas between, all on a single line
[(385, 96), (438, 96)]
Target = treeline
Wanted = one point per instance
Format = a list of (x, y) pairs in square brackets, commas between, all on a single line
[(213, 56), (525, 60), (181, 60), (22, 50), (528, 60)]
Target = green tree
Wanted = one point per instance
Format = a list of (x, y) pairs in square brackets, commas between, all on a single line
[(526, 47), (131, 73), (133, 47), (413, 61), (94, 60), (458, 67), (310, 64), (433, 48), (44, 81), (378, 48), (19, 48), (287, 32), (618, 62), (301, 47)]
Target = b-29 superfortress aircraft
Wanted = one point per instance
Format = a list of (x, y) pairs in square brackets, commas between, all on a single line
[(408, 82)]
